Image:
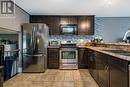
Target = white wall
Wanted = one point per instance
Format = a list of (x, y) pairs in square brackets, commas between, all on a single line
[(16, 22), (114, 28)]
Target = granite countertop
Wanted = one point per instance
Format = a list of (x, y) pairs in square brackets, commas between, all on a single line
[(121, 43), (101, 49)]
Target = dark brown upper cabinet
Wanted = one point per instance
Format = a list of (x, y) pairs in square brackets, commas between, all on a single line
[(86, 25), (54, 26), (68, 20), (52, 21)]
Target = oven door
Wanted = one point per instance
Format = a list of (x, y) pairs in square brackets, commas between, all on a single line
[(68, 56)]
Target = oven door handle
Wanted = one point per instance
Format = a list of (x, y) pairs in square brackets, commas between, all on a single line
[(69, 50)]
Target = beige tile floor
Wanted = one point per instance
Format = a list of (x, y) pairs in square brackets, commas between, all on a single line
[(53, 78)]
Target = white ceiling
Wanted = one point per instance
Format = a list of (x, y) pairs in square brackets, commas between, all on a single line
[(100, 8)]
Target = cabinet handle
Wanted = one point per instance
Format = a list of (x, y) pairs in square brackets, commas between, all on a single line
[(107, 67)]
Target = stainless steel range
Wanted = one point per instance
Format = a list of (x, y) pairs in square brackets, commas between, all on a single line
[(68, 56)]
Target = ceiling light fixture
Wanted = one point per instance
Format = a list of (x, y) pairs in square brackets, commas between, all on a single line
[(109, 2)]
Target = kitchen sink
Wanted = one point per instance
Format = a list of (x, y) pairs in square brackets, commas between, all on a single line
[(121, 52)]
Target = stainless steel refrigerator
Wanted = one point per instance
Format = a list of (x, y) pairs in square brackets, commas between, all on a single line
[(34, 47)]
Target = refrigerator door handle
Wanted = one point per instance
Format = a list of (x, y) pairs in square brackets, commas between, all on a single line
[(44, 54), (37, 55)]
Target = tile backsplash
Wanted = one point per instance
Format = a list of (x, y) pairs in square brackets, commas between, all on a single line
[(70, 37), (80, 40), (98, 26)]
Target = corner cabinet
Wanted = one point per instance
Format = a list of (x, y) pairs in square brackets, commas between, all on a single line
[(91, 61), (102, 69), (86, 25), (53, 58), (81, 58), (107, 70)]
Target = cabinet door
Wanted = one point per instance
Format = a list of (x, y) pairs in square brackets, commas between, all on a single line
[(40, 19), (118, 73), (81, 58), (90, 24), (54, 25), (103, 69), (53, 58), (91, 61), (86, 25), (1, 77), (52, 22), (68, 20)]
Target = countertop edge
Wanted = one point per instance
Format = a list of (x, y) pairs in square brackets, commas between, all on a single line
[(99, 49)]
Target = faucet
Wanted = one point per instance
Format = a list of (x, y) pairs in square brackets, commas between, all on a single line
[(125, 36)]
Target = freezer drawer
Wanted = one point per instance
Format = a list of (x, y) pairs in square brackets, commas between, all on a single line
[(34, 63)]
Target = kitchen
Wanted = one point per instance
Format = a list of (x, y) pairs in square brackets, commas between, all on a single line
[(65, 44)]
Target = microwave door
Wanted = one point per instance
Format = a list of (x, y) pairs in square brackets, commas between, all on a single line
[(69, 29)]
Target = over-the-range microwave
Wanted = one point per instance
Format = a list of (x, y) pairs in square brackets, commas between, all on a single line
[(68, 29)]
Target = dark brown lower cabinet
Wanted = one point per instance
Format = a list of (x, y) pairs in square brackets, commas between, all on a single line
[(108, 71), (1, 77), (53, 58), (102, 69), (91, 61), (81, 58), (118, 73)]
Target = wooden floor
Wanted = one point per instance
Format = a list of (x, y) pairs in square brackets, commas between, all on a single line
[(53, 78)]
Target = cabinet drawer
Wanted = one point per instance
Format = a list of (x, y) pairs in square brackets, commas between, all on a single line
[(53, 60), (53, 65)]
